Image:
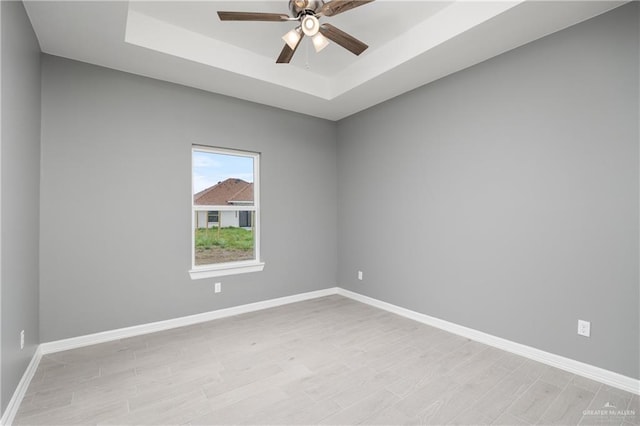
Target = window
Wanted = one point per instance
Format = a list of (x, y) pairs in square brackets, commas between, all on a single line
[(213, 217), (226, 212)]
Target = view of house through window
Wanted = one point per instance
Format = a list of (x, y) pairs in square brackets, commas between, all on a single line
[(224, 206)]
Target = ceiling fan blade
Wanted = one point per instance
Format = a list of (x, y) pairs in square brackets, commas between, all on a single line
[(253, 16), (335, 7), (345, 40), (287, 53)]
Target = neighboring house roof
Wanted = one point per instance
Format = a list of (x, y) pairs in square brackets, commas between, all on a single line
[(228, 192)]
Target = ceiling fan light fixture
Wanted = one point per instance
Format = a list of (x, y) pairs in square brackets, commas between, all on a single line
[(319, 42), (307, 13), (292, 38), (310, 25)]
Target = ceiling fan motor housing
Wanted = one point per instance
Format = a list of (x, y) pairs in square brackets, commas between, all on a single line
[(304, 7)]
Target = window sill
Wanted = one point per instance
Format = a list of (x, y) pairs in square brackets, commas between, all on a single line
[(211, 271)]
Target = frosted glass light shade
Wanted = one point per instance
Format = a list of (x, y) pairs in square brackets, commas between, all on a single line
[(319, 42), (292, 38)]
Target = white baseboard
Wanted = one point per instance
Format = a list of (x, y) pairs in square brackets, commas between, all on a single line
[(576, 367), (12, 408), (137, 330), (589, 371)]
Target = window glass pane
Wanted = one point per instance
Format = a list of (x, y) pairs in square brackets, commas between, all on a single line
[(226, 234), (218, 244), (213, 216), (222, 179)]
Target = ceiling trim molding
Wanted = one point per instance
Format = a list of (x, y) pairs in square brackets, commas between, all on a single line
[(448, 23), (150, 33), (184, 44)]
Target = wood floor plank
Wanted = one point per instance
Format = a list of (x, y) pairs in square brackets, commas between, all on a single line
[(632, 416), (328, 389), (568, 407), (358, 390), (242, 410), (180, 408), (299, 409), (74, 414), (390, 416), (362, 410), (507, 419), (427, 398), (534, 402), (587, 384), (278, 381), (607, 407), (556, 377), (495, 401), (329, 360)]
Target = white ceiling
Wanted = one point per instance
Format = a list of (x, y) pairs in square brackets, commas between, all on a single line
[(411, 43)]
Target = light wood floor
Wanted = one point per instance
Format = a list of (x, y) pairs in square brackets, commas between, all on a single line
[(324, 361)]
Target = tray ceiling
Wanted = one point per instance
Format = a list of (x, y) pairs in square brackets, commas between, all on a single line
[(411, 43)]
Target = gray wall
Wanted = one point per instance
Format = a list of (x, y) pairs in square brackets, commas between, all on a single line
[(517, 182), (116, 194), (20, 191)]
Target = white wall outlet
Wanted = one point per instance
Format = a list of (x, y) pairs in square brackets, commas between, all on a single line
[(217, 287), (360, 275), (22, 339), (584, 328)]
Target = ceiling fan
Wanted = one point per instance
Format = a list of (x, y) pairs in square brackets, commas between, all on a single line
[(307, 13)]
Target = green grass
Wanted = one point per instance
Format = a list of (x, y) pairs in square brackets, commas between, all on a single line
[(227, 238)]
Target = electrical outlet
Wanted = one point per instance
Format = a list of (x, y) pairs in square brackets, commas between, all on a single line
[(360, 275), (584, 328), (22, 339), (217, 287)]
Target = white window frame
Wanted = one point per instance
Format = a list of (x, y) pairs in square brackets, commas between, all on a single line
[(228, 268)]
